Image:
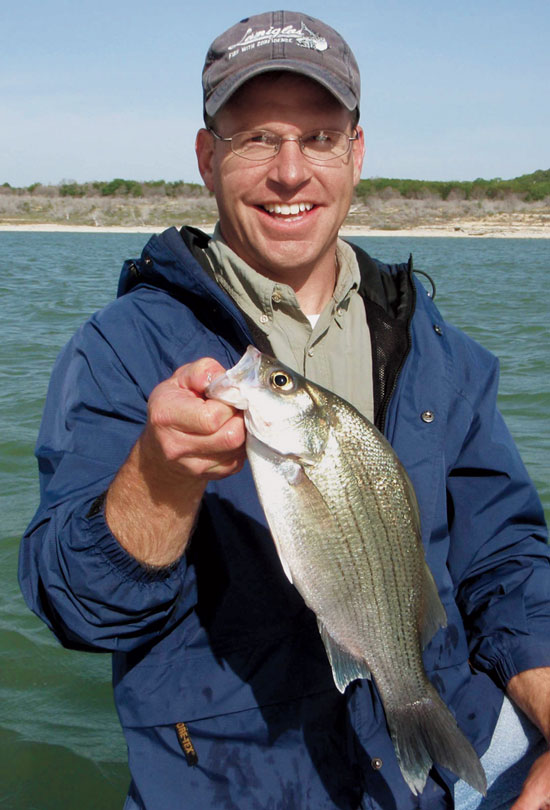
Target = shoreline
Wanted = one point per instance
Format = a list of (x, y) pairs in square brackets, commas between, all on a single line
[(472, 229)]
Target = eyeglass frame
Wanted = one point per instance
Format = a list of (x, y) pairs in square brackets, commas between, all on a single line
[(297, 139)]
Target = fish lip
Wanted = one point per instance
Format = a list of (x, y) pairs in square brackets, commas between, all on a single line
[(226, 386)]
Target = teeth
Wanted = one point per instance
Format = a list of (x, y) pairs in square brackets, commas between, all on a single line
[(288, 210)]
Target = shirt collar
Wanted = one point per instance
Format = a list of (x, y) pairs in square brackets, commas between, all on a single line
[(255, 294)]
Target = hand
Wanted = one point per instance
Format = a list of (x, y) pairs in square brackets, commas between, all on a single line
[(535, 794), (188, 435), (152, 504), (530, 690)]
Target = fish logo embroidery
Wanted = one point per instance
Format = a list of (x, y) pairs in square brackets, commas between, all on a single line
[(304, 37)]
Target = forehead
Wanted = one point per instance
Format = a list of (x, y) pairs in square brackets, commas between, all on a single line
[(283, 96)]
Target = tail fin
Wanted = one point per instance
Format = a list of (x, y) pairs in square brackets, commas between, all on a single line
[(424, 732)]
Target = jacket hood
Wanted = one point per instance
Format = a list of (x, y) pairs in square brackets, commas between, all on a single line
[(171, 261)]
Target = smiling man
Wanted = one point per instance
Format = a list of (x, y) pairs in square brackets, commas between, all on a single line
[(282, 200), (150, 541)]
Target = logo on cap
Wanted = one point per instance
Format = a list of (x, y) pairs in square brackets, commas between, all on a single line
[(303, 37)]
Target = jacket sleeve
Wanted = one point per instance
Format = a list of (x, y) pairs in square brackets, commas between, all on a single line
[(73, 573), (499, 556)]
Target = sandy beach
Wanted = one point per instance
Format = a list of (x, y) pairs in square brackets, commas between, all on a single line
[(386, 214), (477, 228)]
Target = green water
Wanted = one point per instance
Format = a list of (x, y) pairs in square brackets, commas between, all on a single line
[(62, 747)]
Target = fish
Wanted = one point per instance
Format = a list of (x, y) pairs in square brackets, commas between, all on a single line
[(346, 525)]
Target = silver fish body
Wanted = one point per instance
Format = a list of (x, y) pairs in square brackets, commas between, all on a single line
[(345, 521)]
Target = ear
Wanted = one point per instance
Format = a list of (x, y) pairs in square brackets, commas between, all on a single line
[(358, 152), (204, 149)]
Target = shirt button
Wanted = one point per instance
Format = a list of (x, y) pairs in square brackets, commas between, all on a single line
[(310, 352), (339, 312), (427, 416), (263, 318), (437, 329), (376, 763), (276, 297)]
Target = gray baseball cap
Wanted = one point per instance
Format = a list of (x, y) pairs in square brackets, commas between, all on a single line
[(279, 40)]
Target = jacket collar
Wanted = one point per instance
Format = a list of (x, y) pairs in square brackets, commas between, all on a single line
[(172, 261)]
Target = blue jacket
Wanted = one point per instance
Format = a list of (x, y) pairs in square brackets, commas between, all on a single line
[(221, 642)]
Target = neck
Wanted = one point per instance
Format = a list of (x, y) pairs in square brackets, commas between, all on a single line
[(313, 285), (315, 291)]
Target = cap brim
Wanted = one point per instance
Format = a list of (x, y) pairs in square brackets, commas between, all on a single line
[(332, 83)]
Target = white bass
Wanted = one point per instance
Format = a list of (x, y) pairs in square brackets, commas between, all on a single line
[(345, 521)]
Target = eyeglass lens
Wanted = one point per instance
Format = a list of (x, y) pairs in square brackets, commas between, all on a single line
[(321, 144)]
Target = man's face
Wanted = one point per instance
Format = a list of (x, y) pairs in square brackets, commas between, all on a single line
[(285, 247)]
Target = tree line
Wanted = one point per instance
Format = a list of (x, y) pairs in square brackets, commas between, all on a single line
[(112, 188), (529, 187)]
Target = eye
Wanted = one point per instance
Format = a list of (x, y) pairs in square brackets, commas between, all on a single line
[(262, 137), (281, 380), (320, 138)]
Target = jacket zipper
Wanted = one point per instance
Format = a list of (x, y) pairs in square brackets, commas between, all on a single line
[(389, 395)]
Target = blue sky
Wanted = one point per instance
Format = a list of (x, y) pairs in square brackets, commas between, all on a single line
[(111, 88)]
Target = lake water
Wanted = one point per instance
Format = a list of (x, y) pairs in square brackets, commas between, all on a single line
[(61, 744)]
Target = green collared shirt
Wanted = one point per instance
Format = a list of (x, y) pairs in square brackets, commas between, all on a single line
[(332, 350)]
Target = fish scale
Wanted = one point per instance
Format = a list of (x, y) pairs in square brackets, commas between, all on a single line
[(357, 465), (344, 518)]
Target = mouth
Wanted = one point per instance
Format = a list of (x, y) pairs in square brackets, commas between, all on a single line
[(232, 386), (287, 209)]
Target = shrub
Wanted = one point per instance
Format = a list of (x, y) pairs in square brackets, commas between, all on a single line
[(72, 189)]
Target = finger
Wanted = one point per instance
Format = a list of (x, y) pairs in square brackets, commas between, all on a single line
[(210, 468), (186, 413), (535, 794), (228, 438), (196, 376), (183, 454)]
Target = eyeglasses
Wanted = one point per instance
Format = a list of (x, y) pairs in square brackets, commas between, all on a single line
[(262, 145)]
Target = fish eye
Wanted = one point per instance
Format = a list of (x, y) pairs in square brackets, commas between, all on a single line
[(281, 380)]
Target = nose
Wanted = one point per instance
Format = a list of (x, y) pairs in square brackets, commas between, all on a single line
[(290, 168)]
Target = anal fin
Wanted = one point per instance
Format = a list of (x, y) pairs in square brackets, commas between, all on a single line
[(345, 667), (434, 615)]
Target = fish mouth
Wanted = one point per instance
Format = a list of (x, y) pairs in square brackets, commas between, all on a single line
[(226, 387)]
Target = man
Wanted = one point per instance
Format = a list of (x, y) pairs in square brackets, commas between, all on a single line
[(150, 541)]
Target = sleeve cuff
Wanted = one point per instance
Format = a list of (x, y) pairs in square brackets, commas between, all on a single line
[(128, 566), (504, 656)]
